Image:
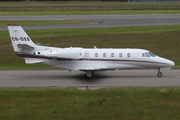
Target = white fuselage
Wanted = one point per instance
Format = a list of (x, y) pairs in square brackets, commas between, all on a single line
[(99, 59), (79, 59)]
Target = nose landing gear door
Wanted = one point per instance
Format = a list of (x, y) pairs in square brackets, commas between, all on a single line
[(86, 55)]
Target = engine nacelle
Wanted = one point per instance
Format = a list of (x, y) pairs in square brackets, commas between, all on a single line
[(63, 53), (69, 53)]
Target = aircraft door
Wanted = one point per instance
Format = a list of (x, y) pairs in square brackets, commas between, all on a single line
[(86, 55)]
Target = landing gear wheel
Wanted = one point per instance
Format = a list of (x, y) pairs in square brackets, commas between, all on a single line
[(159, 74), (87, 77)]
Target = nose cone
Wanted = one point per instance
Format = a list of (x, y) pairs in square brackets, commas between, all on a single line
[(167, 62), (171, 63)]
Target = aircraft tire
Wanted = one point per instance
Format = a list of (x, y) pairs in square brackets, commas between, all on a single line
[(159, 74)]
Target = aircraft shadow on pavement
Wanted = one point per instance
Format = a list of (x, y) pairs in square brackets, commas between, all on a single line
[(101, 76)]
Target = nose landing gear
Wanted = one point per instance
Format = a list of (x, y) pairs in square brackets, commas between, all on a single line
[(159, 74)]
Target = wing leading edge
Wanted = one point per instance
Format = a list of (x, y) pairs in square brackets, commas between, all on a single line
[(95, 68)]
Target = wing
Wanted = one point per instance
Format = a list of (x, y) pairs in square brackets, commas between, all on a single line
[(95, 68)]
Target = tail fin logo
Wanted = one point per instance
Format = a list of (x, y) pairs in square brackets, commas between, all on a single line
[(21, 38)]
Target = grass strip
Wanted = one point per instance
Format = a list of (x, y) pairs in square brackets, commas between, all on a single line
[(45, 22), (106, 103), (87, 5), (88, 12), (87, 8), (161, 40)]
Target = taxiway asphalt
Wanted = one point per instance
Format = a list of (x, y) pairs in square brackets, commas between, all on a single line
[(101, 20), (64, 78)]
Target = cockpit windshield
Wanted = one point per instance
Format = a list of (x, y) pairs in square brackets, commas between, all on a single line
[(148, 54), (151, 54)]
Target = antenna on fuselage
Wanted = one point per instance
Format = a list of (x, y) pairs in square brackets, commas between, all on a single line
[(95, 47)]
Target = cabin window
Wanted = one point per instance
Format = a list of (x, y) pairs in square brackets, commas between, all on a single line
[(120, 54), (128, 55), (38, 52), (96, 54), (143, 55), (147, 55), (112, 54), (104, 54), (25, 39)]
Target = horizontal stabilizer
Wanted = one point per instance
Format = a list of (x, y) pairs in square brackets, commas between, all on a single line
[(32, 60), (24, 46)]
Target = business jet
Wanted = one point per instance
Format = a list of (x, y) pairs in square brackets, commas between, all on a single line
[(87, 60)]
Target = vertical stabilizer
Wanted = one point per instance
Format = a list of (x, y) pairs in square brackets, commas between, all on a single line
[(20, 40)]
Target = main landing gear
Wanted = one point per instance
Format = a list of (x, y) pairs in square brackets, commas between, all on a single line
[(159, 74), (88, 75)]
